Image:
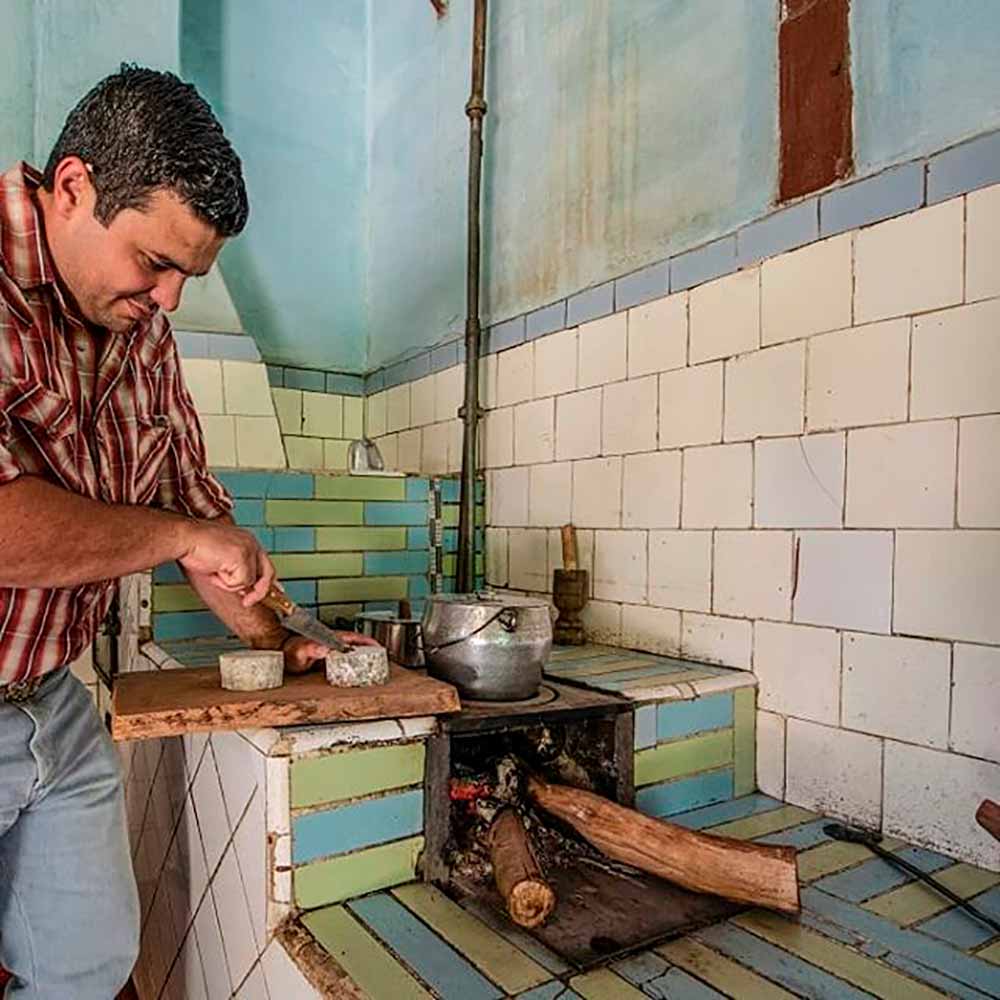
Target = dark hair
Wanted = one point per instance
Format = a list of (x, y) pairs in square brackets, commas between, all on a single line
[(142, 130)]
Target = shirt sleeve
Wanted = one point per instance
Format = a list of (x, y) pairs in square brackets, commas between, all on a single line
[(186, 485), (10, 468)]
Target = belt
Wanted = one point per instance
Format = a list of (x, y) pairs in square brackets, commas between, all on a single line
[(21, 690)]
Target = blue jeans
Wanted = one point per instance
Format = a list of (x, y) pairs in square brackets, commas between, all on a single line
[(69, 911)]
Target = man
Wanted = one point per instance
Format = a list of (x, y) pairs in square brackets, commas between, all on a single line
[(102, 473)]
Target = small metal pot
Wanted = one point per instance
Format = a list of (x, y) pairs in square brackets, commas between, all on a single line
[(400, 636), (490, 648)]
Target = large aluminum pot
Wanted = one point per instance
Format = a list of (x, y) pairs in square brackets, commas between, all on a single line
[(491, 648)]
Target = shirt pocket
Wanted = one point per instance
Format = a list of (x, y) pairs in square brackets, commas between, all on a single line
[(153, 438)]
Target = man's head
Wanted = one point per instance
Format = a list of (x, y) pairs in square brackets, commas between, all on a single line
[(139, 193)]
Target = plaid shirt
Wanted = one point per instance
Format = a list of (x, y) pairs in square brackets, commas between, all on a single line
[(103, 415)]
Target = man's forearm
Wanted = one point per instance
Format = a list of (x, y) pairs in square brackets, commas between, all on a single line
[(50, 537), (258, 626)]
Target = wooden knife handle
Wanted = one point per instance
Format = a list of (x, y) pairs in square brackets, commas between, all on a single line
[(278, 601), (570, 557)]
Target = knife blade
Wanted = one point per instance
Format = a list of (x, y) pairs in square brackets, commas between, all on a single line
[(300, 621)]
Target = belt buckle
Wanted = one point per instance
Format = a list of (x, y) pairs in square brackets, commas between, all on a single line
[(20, 690)]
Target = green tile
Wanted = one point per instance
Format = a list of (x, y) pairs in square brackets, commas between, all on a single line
[(374, 588), (360, 488), (348, 774), (175, 597), (449, 515), (360, 539), (745, 741), (313, 565), (350, 875), (313, 512), (672, 760)]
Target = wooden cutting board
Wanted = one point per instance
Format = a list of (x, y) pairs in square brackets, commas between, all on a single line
[(168, 702)]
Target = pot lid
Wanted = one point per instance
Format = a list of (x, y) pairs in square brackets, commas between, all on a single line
[(488, 600)]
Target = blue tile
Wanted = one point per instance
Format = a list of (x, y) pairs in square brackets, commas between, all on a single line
[(305, 378), (951, 987), (436, 962), (622, 678), (506, 334), (418, 538), (963, 168), (592, 303), (168, 573), (346, 828), (801, 837), (294, 540), (688, 793), (191, 345), (444, 356), (419, 586), (291, 486), (799, 976), (374, 382), (726, 812), (641, 968), (548, 319), (791, 227), (892, 192), (248, 512), (550, 991), (244, 484), (417, 489), (876, 876), (710, 261), (396, 563), (418, 367), (390, 514), (651, 282), (187, 625), (343, 384), (271, 485), (645, 727), (301, 591), (451, 490), (275, 376), (263, 535), (230, 347), (395, 375), (676, 984), (962, 929), (681, 718)]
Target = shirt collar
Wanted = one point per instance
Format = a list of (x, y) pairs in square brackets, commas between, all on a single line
[(23, 249)]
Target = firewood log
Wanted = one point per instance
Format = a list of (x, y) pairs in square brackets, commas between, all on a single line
[(988, 817), (759, 874), (529, 898)]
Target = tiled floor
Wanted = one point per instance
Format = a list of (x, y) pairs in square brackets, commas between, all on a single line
[(866, 929)]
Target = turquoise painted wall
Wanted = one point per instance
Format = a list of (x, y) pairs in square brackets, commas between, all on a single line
[(289, 86), (17, 90), (617, 133), (926, 75)]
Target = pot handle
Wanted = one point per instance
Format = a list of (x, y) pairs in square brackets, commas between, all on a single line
[(506, 617)]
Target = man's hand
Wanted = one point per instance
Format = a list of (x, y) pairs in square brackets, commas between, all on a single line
[(231, 558), (302, 653)]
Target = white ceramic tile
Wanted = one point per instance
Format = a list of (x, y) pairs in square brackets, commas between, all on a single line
[(725, 316), (534, 432), (258, 443), (931, 799), (234, 918), (388, 447), (956, 355), (555, 363), (454, 431), (979, 472), (765, 393), (528, 553), (602, 622), (753, 574), (807, 291), (220, 440), (717, 487), (515, 375), (203, 378), (422, 401), (496, 557), (409, 450), (691, 406), (771, 754), (288, 408), (597, 493), (303, 452), (211, 811), (655, 630), (549, 494), (449, 392), (322, 415), (834, 771), (375, 414), (578, 425), (353, 417), (945, 585), (975, 701), (713, 639), (620, 566), (253, 987), (250, 843), (629, 416), (902, 476), (335, 455), (434, 450), (857, 377), (241, 769), (488, 381), (799, 671), (284, 981), (680, 569), (498, 437), (651, 490), (508, 498), (190, 970), (799, 482), (845, 579), (397, 408), (910, 264), (192, 852), (246, 389), (213, 956), (603, 349), (982, 243), (658, 335), (897, 687)]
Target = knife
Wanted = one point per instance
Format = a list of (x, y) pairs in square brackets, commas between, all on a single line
[(300, 621)]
